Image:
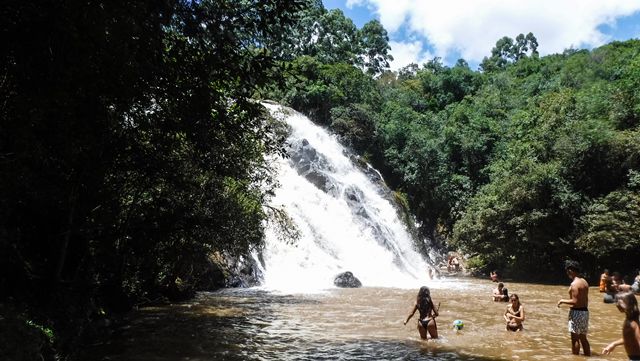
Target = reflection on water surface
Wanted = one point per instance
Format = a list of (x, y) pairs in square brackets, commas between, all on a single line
[(357, 324)]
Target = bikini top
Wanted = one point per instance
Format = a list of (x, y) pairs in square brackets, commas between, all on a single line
[(517, 314)]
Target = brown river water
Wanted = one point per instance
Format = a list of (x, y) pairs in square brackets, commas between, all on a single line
[(358, 324)]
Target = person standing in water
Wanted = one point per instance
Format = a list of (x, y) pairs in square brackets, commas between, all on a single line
[(428, 313), (514, 315), (627, 303), (604, 279), (579, 313)]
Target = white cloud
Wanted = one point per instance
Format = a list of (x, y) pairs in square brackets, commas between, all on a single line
[(471, 28), (407, 53)]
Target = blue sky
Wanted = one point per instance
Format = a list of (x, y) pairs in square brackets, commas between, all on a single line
[(422, 29)]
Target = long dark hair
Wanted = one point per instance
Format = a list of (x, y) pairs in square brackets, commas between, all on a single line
[(515, 295), (631, 309), (424, 299)]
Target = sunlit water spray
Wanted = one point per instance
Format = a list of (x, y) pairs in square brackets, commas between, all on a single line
[(345, 221)]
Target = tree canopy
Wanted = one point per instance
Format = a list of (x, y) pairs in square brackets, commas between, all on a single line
[(525, 162)]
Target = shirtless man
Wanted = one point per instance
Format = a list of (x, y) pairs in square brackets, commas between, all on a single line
[(628, 304), (579, 313)]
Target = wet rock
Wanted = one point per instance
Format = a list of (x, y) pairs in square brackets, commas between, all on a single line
[(311, 165), (224, 270), (353, 195), (347, 280), (244, 272), (318, 179)]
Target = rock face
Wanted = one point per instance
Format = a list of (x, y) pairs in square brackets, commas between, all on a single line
[(227, 271), (347, 280), (312, 165), (244, 272)]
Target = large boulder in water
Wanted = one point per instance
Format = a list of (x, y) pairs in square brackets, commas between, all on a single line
[(347, 280)]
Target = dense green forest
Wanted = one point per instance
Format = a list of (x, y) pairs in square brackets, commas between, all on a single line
[(521, 164), (132, 148)]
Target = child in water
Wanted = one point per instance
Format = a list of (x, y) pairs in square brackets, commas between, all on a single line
[(514, 315), (627, 303), (428, 314)]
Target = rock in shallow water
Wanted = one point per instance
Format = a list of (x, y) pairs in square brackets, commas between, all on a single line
[(347, 280)]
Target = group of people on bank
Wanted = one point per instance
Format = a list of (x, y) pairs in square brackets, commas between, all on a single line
[(578, 318)]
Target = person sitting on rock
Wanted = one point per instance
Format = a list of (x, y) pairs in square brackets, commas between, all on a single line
[(450, 263), (455, 264)]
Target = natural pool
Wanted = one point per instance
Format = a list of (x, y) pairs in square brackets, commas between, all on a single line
[(358, 324)]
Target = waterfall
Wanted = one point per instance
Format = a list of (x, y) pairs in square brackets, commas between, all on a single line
[(345, 220)]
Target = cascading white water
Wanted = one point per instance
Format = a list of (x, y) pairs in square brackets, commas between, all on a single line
[(348, 225)]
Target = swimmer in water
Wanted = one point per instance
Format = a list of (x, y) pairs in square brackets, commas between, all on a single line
[(514, 315)]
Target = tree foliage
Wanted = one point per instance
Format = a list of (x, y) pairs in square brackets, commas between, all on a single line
[(521, 163), (330, 37), (508, 50), (130, 148)]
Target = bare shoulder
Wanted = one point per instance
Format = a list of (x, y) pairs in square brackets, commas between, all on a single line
[(579, 282), (629, 327)]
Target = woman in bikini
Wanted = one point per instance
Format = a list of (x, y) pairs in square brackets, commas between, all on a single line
[(428, 314), (514, 315)]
